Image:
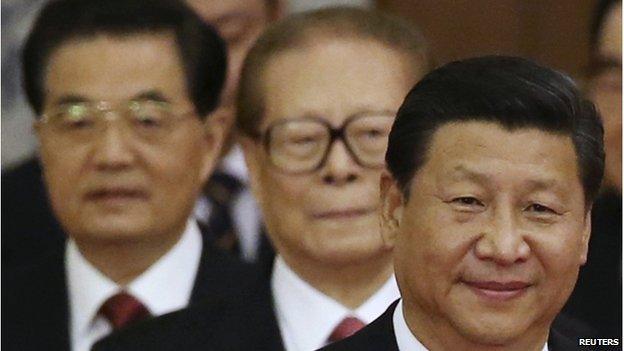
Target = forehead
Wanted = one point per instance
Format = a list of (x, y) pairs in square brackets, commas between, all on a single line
[(334, 79), (112, 68), (216, 11), (483, 149), (611, 33)]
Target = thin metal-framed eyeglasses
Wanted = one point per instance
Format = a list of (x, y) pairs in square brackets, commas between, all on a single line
[(302, 145), (80, 122)]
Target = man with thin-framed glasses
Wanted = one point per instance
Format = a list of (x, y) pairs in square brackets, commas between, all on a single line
[(317, 96), (124, 90)]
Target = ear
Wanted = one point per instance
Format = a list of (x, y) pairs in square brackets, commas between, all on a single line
[(585, 238), (391, 209), (253, 159), (278, 10), (213, 134)]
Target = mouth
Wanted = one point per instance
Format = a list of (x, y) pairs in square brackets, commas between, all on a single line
[(498, 290), (116, 194), (344, 213)]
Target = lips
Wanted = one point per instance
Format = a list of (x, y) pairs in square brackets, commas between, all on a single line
[(116, 193), (345, 213), (498, 290)]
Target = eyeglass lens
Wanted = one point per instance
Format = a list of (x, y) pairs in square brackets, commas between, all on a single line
[(301, 145)]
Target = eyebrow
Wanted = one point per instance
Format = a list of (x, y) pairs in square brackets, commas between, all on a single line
[(461, 172), (150, 95), (70, 99)]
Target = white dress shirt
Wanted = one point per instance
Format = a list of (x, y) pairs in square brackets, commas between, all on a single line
[(165, 287), (404, 337), (245, 211), (307, 317)]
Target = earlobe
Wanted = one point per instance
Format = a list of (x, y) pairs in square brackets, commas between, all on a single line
[(213, 134), (249, 147), (391, 209)]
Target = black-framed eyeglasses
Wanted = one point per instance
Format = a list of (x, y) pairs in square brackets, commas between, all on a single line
[(302, 145)]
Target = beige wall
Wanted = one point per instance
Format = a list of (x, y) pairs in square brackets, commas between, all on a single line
[(553, 32)]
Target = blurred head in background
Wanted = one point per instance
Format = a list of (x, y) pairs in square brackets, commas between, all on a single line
[(240, 23), (605, 84)]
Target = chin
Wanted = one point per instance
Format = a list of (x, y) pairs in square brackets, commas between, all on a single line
[(493, 332), (345, 252)]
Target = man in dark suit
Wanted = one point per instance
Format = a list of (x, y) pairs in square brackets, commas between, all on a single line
[(494, 164), (313, 122), (123, 90), (226, 206)]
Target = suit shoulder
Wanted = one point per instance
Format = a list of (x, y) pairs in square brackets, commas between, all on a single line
[(241, 321)]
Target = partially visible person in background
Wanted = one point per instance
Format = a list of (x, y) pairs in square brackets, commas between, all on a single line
[(123, 90), (227, 206), (597, 298), (318, 94)]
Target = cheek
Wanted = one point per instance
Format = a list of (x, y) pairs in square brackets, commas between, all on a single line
[(436, 239), (558, 251), (64, 172), (287, 193), (176, 173)]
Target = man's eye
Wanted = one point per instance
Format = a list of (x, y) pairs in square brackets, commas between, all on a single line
[(78, 123), (148, 121), (467, 201), (303, 140), (541, 209)]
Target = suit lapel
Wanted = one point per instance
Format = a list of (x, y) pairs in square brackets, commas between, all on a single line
[(219, 274)]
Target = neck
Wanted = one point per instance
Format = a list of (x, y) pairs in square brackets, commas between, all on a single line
[(122, 261), (437, 334), (349, 284)]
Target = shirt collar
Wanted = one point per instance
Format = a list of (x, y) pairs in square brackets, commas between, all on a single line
[(233, 163), (89, 288), (404, 337), (307, 317)]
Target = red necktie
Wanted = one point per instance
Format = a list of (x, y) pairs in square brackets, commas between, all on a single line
[(346, 328), (122, 309)]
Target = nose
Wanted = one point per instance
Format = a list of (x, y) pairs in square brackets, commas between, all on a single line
[(502, 241), (340, 168), (111, 149)]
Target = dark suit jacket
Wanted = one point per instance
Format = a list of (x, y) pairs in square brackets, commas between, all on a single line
[(379, 335), (597, 297), (240, 322), (35, 306), (29, 230)]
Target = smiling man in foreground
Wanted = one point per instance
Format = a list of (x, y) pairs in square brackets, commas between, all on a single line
[(494, 164)]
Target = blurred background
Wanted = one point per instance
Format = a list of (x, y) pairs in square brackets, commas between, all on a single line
[(552, 32)]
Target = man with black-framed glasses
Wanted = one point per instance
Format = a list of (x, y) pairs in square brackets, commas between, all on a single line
[(317, 96)]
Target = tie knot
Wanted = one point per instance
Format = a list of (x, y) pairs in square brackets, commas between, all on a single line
[(346, 328), (223, 188), (122, 309)]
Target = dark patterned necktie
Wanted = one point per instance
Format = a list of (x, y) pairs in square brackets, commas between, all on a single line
[(222, 190), (345, 329), (123, 309)]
